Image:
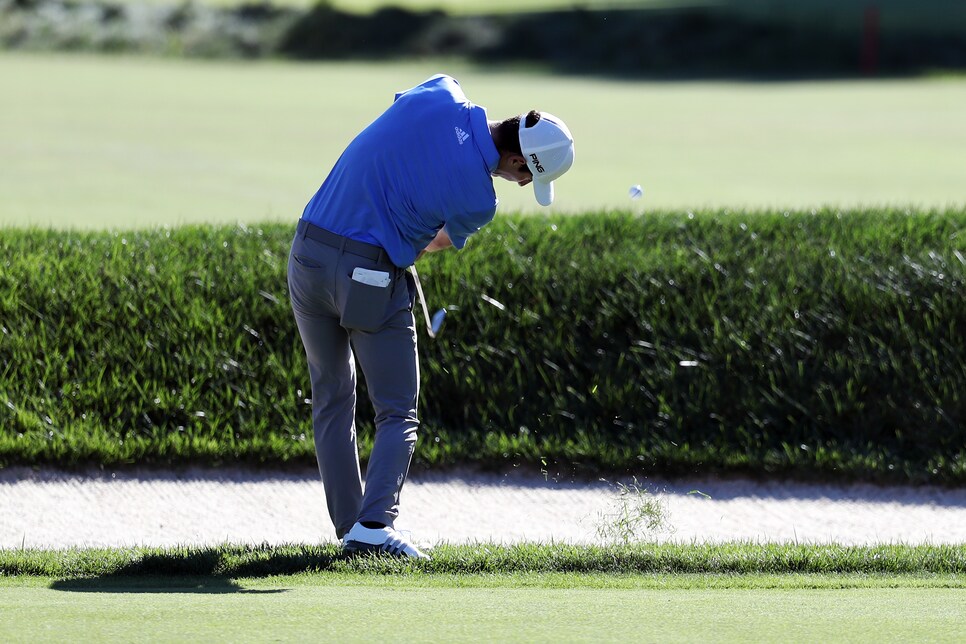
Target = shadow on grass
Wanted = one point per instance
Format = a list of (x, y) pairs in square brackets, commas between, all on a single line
[(208, 570), (157, 584)]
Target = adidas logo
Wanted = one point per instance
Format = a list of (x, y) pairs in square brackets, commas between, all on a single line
[(461, 136)]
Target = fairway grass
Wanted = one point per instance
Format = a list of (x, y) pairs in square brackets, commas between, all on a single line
[(135, 142), (483, 608), (484, 592)]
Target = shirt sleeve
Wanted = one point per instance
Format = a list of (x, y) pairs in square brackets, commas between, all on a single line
[(460, 228)]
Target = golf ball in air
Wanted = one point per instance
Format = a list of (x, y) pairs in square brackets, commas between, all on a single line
[(636, 192)]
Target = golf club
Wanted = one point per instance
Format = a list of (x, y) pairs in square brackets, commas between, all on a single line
[(434, 324)]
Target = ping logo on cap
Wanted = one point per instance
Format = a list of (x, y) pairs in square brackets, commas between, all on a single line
[(536, 162)]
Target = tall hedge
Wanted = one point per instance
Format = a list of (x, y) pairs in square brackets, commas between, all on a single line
[(810, 344), (724, 39)]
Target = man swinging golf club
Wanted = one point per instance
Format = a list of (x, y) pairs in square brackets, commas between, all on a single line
[(418, 179)]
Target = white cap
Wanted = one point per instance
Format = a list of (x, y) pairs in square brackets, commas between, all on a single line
[(548, 148)]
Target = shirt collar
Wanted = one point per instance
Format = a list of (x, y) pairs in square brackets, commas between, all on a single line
[(483, 139)]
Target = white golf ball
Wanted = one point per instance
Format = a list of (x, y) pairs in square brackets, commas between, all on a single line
[(636, 192)]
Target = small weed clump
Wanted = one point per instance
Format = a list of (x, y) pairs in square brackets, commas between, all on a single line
[(635, 515)]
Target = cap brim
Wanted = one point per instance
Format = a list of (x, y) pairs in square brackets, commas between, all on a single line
[(543, 192)]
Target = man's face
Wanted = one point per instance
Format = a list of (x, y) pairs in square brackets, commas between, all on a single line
[(513, 167)]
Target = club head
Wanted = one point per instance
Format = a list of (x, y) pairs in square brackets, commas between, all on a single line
[(437, 322)]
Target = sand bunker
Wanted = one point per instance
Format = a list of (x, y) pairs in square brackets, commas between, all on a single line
[(52, 509)]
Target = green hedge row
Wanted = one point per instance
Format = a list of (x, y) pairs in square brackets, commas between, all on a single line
[(728, 38), (810, 344)]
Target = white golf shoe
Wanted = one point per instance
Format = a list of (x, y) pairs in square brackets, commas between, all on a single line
[(361, 539)]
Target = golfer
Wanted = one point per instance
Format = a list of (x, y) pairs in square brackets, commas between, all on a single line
[(418, 179)]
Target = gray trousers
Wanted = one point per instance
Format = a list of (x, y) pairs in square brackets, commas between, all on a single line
[(318, 281)]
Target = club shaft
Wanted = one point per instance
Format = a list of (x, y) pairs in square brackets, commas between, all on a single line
[(422, 300)]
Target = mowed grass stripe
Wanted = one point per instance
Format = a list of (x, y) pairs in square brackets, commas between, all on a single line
[(220, 584)]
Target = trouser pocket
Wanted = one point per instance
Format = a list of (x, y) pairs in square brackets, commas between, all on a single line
[(411, 289), (366, 303)]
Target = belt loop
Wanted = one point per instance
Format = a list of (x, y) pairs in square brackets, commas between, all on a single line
[(342, 244), (304, 225)]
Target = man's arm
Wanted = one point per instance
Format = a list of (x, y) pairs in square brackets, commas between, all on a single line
[(440, 242)]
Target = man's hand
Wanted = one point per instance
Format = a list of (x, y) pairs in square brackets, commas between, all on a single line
[(440, 242)]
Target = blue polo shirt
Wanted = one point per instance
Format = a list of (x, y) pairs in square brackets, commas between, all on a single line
[(425, 163)]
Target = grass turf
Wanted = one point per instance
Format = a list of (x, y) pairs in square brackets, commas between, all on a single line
[(231, 561), (123, 141)]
